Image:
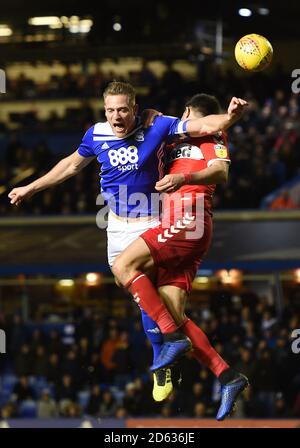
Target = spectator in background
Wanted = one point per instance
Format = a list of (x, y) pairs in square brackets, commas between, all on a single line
[(197, 396), (71, 364), (9, 410), (53, 369), (199, 410), (40, 362), (22, 390), (72, 410), (23, 361), (18, 334), (281, 409), (98, 332), (264, 382), (251, 407), (121, 413), (96, 370), (84, 360), (277, 170), (251, 338), (268, 320), (147, 77), (245, 363), (108, 350), (46, 406), (95, 399), (141, 349), (65, 393), (132, 400), (54, 343), (189, 373), (166, 411), (108, 405), (123, 362), (84, 328), (36, 340), (283, 202)]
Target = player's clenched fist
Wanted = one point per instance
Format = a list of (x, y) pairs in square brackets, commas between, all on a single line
[(17, 195), (236, 107)]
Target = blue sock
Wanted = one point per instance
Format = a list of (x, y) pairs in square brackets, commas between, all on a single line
[(153, 333)]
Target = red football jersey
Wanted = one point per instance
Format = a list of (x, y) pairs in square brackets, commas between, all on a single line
[(195, 154)]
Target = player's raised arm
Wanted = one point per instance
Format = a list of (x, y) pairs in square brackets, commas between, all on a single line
[(211, 124), (65, 168)]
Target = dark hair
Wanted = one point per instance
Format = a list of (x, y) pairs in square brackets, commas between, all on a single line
[(204, 104)]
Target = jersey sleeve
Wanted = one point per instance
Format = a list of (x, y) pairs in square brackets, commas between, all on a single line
[(215, 148), (86, 148), (170, 126)]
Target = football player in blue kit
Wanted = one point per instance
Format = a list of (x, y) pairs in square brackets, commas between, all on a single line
[(131, 157)]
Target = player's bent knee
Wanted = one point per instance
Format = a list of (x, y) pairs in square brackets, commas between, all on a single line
[(122, 271), (118, 283), (117, 271)]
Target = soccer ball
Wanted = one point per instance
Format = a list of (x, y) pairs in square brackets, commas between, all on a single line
[(253, 52)]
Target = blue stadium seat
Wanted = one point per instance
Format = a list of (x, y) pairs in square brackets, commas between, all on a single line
[(28, 409), (39, 385), (4, 397), (8, 382), (51, 389), (83, 398), (117, 393), (32, 381)]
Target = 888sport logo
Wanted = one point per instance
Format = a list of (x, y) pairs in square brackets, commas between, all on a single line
[(125, 159)]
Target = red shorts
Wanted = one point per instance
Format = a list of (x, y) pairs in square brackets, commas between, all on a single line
[(178, 247)]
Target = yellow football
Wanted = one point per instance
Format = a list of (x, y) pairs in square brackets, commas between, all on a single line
[(253, 52)]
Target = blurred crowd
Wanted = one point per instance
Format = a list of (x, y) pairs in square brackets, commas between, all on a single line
[(69, 85), (264, 145), (99, 365)]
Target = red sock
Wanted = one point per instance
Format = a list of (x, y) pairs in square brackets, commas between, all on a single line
[(203, 351), (146, 295)]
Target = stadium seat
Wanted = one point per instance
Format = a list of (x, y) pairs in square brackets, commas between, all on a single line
[(28, 409), (4, 397), (39, 385), (32, 381), (83, 398), (8, 382), (117, 393)]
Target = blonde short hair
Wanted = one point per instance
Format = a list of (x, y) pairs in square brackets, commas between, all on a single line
[(120, 88)]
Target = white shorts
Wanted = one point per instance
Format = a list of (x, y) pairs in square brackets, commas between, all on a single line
[(121, 233)]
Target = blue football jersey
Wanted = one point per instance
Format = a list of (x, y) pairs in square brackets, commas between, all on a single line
[(131, 166)]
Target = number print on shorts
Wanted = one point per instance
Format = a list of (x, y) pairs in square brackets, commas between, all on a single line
[(123, 155)]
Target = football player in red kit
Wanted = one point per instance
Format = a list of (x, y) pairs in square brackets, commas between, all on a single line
[(176, 247), (179, 243)]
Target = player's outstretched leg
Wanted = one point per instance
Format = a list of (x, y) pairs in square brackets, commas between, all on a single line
[(233, 385), (162, 378), (175, 346)]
